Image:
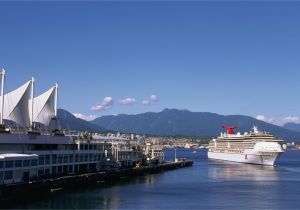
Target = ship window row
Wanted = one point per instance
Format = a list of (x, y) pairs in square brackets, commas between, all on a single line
[(17, 163), (234, 145)]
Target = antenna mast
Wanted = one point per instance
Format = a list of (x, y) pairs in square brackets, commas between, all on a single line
[(2, 96), (55, 100), (32, 101)]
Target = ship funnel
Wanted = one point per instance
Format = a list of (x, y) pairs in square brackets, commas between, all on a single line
[(230, 129)]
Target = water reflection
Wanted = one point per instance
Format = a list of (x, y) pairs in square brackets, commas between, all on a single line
[(107, 196), (220, 170), (147, 179)]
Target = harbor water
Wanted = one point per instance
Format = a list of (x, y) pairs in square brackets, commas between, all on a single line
[(207, 184)]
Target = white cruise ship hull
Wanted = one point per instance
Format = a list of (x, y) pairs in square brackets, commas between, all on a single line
[(251, 157)]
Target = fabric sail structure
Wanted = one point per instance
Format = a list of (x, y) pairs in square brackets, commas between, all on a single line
[(16, 105), (43, 107)]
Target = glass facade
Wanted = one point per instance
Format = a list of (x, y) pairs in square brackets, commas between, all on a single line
[(9, 164), (41, 160), (8, 175), (18, 163), (26, 163), (33, 162)]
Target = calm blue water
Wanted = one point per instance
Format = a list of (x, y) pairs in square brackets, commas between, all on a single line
[(208, 184)]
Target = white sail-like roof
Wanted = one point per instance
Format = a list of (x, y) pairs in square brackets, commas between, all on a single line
[(16, 105), (43, 107)]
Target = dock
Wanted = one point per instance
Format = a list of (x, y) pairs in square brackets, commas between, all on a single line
[(16, 190)]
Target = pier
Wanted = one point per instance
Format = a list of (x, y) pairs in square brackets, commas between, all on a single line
[(10, 191)]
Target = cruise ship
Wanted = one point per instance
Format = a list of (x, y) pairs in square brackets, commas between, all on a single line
[(31, 150), (256, 147)]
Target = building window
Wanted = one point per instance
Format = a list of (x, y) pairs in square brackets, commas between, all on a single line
[(47, 171), (9, 164), (86, 147), (70, 168), (54, 159), (76, 168), (70, 158), (76, 158), (47, 159), (26, 163), (81, 157), (1, 176), (8, 175), (86, 157), (40, 172), (1, 164), (41, 160), (33, 162), (65, 169), (65, 159), (54, 170), (18, 163), (60, 159), (100, 156)]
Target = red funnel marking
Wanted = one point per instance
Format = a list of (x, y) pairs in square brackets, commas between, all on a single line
[(230, 129)]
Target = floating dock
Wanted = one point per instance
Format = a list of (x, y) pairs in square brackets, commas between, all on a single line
[(10, 191)]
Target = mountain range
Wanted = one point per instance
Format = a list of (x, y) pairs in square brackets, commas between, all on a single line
[(292, 126), (69, 122), (174, 122)]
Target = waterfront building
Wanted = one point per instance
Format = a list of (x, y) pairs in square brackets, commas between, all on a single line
[(28, 152), (154, 154)]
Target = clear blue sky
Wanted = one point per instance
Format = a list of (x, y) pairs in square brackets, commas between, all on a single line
[(222, 57)]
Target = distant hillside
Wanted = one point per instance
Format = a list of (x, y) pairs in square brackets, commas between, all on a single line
[(292, 126), (70, 122), (182, 122)]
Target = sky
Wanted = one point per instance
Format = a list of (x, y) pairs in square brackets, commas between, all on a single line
[(131, 57)]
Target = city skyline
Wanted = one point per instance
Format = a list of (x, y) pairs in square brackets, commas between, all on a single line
[(134, 57)]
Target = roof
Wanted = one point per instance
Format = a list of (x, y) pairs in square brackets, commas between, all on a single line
[(16, 105), (34, 139), (43, 107), (12, 155)]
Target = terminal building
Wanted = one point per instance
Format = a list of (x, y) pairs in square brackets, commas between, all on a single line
[(28, 153)]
